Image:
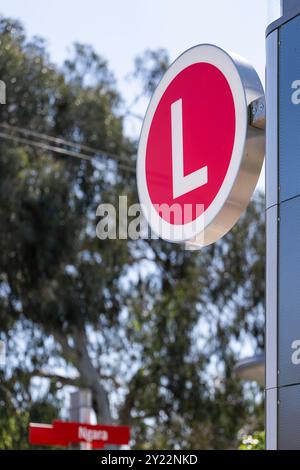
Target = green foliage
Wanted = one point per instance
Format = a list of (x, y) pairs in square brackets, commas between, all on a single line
[(255, 441), (14, 431), (150, 67), (15, 417)]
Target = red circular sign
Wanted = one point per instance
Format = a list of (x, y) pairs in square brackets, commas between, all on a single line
[(208, 129), (199, 157)]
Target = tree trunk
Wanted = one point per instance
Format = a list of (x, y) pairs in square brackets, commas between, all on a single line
[(90, 377)]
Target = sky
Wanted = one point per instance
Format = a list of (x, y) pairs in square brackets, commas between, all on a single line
[(120, 30)]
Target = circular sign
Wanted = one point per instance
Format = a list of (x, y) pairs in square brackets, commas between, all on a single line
[(199, 156)]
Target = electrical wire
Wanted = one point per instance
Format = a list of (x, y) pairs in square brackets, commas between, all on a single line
[(59, 140), (60, 150)]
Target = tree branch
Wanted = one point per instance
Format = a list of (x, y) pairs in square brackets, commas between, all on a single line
[(57, 378)]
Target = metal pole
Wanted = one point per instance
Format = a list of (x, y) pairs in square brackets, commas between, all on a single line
[(271, 238), (81, 411), (283, 230)]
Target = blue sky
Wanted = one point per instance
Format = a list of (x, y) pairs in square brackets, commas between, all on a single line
[(120, 30)]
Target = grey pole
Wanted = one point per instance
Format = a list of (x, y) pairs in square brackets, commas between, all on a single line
[(81, 410), (283, 229), (271, 238)]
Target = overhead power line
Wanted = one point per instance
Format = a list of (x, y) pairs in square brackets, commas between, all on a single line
[(95, 153), (44, 146), (60, 141)]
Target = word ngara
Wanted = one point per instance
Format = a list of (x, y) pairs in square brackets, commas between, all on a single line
[(91, 435)]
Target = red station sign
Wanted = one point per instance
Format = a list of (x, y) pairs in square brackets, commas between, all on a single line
[(64, 433), (199, 155)]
